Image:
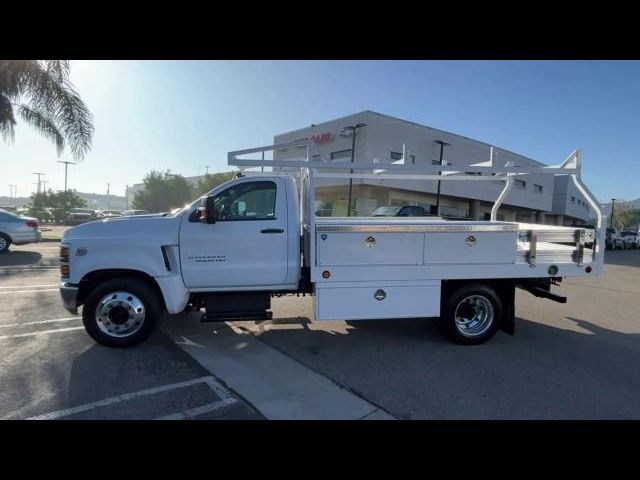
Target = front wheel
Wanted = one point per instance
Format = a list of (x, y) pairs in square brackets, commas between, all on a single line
[(121, 312), (472, 314)]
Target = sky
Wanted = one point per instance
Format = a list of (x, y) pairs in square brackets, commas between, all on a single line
[(185, 115)]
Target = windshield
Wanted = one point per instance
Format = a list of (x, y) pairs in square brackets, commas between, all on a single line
[(386, 211)]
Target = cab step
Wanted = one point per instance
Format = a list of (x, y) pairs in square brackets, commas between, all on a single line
[(235, 306)]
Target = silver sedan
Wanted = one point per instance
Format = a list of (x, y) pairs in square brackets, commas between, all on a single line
[(17, 230)]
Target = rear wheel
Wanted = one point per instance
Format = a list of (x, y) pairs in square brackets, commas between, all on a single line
[(5, 241), (121, 312), (472, 314)]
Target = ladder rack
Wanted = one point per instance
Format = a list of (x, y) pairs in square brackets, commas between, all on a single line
[(309, 170)]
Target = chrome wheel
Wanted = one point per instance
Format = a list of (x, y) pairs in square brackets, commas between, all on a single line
[(120, 314), (474, 315)]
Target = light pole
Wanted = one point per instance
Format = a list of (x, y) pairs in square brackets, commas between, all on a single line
[(66, 164), (39, 174), (354, 131), (442, 145), (613, 204)]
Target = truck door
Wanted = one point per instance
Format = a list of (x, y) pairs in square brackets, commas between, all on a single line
[(247, 246)]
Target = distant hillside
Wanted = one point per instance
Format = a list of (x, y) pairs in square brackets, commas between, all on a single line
[(606, 209)]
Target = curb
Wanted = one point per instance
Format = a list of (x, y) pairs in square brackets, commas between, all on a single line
[(50, 240)]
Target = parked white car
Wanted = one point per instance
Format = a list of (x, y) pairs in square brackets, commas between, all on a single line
[(630, 239), (18, 230)]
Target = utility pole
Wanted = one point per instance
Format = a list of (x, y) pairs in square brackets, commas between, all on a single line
[(613, 204), (108, 191), (39, 174), (207, 167), (66, 164), (354, 131), (13, 190), (442, 145), (44, 186)]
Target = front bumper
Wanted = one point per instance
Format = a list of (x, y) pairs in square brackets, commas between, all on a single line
[(69, 295)]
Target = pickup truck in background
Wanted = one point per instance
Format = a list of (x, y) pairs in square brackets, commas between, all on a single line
[(614, 240), (403, 211), (631, 239), (251, 238)]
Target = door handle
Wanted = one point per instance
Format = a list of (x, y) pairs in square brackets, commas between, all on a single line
[(272, 230)]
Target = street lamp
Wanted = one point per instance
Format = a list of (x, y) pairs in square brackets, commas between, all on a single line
[(66, 164), (613, 204), (345, 132), (442, 145)]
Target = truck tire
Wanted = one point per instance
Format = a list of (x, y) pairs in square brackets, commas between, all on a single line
[(472, 314), (121, 312), (5, 241)]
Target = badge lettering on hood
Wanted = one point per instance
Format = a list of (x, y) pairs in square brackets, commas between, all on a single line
[(208, 258)]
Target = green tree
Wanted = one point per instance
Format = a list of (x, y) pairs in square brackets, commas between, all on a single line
[(48, 206), (40, 93), (625, 217), (162, 192), (210, 181)]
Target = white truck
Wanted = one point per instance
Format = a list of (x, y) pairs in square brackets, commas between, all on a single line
[(257, 236)]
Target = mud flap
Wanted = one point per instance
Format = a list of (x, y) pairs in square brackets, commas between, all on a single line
[(508, 324)]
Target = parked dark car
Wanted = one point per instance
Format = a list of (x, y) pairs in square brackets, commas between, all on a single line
[(404, 211), (76, 216), (102, 214), (130, 213)]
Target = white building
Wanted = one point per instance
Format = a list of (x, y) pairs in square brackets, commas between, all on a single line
[(384, 139)]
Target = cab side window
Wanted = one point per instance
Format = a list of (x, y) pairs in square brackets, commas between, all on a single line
[(247, 201)]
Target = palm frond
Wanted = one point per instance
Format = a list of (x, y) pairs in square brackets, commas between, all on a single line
[(50, 93), (44, 124), (58, 69), (7, 120)]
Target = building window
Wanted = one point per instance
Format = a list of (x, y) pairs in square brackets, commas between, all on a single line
[(315, 158), (520, 183), (396, 155), (572, 199), (436, 162), (413, 158), (341, 154), (579, 202), (537, 188)]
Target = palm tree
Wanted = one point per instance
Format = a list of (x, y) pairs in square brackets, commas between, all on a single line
[(39, 92)]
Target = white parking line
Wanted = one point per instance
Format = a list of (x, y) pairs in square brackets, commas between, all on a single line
[(31, 291), (53, 320), (30, 286), (210, 381), (43, 332), (28, 269), (194, 412)]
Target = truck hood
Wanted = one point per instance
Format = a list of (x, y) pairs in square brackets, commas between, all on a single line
[(154, 229)]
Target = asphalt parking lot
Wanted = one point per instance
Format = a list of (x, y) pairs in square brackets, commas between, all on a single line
[(573, 361)]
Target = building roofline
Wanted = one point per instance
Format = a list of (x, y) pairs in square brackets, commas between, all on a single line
[(418, 125)]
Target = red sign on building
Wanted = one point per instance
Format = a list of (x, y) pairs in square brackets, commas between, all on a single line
[(322, 138)]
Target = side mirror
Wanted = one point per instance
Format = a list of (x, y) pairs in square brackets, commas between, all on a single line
[(208, 212)]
